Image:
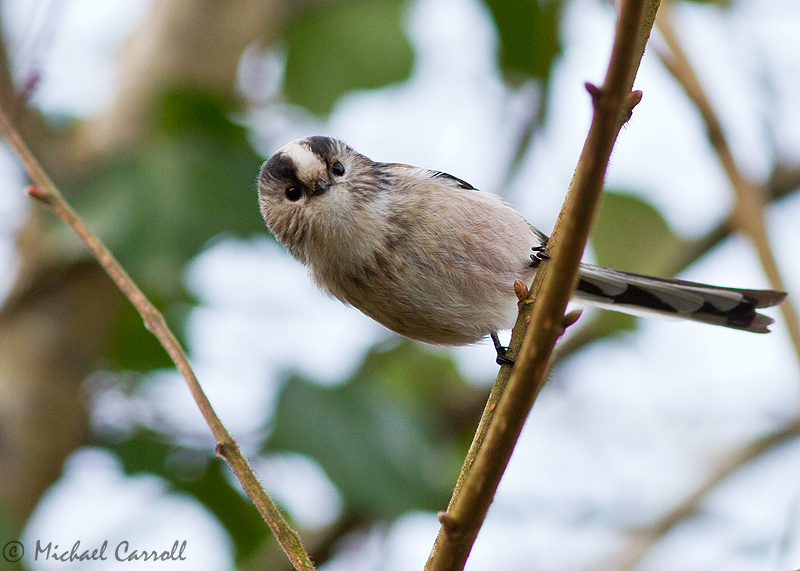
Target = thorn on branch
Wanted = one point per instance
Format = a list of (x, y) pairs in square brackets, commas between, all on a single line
[(594, 91)]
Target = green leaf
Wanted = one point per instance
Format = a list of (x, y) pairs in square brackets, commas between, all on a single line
[(336, 47), (132, 347), (195, 473), (528, 32), (629, 234), (6, 536), (156, 206), (383, 438), (609, 323)]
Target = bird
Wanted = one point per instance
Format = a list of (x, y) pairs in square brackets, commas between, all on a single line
[(430, 257)]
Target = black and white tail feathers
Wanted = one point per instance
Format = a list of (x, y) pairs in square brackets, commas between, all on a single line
[(636, 293)]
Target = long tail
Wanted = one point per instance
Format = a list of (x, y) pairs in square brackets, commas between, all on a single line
[(636, 293)]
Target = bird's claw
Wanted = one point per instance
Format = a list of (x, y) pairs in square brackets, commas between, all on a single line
[(538, 255)]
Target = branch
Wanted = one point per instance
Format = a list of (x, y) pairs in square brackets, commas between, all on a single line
[(748, 212), (45, 191), (783, 180), (513, 396), (644, 540)]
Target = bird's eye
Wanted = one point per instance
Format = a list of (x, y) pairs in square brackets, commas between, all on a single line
[(293, 193), (337, 168)]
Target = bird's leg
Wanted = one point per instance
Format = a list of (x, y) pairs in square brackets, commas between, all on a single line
[(502, 358)]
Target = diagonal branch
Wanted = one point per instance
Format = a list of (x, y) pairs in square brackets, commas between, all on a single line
[(513, 396), (47, 192), (645, 539), (748, 212)]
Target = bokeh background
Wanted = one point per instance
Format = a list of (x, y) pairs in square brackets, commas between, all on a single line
[(154, 116)]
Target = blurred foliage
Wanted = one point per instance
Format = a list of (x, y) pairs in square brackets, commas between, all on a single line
[(6, 536), (194, 473), (630, 234), (190, 181), (609, 323), (133, 347), (155, 207), (528, 32), (337, 47), (384, 437), (392, 437)]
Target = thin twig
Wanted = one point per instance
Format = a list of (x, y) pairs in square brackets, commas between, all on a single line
[(748, 212), (552, 287), (784, 179), (46, 192), (645, 539)]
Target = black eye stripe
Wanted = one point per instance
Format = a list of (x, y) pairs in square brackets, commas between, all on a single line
[(279, 167)]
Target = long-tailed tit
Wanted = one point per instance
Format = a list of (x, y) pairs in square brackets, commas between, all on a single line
[(432, 258)]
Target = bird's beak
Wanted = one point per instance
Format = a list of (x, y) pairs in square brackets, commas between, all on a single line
[(321, 187)]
